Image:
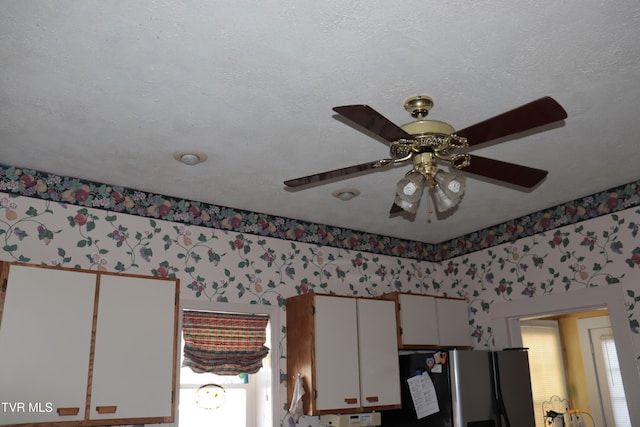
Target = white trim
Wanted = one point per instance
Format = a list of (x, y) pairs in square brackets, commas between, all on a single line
[(505, 320), (275, 319), (587, 359)]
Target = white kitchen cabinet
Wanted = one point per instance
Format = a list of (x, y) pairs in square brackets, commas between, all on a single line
[(45, 343), (431, 322), (345, 350), (86, 348), (453, 322), (336, 353), (379, 371), (134, 352)]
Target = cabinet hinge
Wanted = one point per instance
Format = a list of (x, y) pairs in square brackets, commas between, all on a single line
[(313, 310), (4, 285), (400, 330), (315, 394)]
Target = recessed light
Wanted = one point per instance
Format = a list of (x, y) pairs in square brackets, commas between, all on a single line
[(346, 193), (190, 158)]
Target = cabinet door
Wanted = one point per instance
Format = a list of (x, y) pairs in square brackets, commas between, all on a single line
[(418, 320), (336, 353), (453, 322), (45, 342), (379, 366), (133, 371)]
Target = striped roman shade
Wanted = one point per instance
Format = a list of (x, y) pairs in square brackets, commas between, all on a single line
[(224, 343)]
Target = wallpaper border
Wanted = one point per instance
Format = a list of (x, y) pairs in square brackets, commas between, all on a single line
[(85, 193)]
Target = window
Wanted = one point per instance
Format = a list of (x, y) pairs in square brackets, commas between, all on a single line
[(614, 380), (244, 400), (233, 408), (542, 338), (607, 400)]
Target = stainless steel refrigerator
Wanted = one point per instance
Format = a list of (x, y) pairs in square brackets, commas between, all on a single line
[(473, 388)]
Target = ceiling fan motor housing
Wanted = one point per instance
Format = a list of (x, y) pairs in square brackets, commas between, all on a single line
[(426, 127)]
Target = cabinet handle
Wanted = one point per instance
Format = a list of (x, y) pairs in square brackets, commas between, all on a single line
[(67, 412), (372, 398), (351, 400), (106, 409)]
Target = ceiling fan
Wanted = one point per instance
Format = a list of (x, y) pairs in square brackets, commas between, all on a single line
[(428, 142)]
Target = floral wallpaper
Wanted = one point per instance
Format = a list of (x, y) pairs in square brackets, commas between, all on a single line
[(223, 255), (599, 252), (46, 186)]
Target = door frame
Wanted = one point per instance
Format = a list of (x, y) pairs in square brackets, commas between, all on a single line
[(595, 398), (505, 320), (599, 400)]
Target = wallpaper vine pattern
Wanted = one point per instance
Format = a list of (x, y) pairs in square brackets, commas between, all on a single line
[(222, 265), (46, 186)]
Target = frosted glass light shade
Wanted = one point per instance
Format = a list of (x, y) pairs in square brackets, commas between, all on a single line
[(411, 207), (442, 201), (410, 187), (452, 184)]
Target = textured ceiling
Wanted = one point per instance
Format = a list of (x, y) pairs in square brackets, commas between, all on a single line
[(110, 91)]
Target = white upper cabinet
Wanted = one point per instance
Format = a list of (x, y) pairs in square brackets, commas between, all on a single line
[(379, 372), (426, 322), (453, 322), (86, 348), (45, 343), (337, 365), (418, 320), (345, 348), (134, 358)]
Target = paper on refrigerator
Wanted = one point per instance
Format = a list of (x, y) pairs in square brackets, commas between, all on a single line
[(423, 394)]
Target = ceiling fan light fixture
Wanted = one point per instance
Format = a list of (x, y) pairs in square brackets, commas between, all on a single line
[(411, 207), (410, 187), (452, 184), (442, 201)]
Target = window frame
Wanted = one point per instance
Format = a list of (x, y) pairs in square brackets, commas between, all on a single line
[(270, 388)]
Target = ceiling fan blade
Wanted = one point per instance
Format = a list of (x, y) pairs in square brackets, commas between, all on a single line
[(512, 173), (537, 113), (323, 176), (373, 121)]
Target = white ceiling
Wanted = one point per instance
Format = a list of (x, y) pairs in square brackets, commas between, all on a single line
[(110, 90)]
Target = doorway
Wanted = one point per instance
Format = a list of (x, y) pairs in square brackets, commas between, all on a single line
[(602, 371), (506, 316), (573, 356)]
